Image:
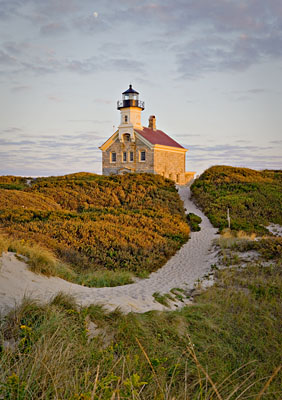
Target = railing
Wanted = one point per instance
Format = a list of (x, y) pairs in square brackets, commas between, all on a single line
[(130, 103)]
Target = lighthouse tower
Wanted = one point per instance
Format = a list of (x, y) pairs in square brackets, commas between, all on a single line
[(130, 113)]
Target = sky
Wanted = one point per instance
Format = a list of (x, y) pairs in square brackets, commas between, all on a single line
[(210, 70)]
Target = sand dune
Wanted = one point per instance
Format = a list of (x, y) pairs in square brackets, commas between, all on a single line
[(188, 265)]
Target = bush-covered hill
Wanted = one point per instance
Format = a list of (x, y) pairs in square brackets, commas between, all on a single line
[(132, 222), (254, 198)]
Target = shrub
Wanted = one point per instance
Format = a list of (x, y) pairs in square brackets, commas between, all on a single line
[(130, 223), (254, 198), (194, 221)]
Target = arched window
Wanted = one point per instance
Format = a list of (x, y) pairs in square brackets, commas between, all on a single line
[(126, 137), (125, 118)]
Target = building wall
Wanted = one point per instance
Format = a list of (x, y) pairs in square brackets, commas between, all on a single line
[(134, 166), (170, 164)]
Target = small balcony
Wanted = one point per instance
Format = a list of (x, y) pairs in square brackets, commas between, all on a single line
[(130, 103)]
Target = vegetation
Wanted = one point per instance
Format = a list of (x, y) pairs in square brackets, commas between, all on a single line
[(254, 198), (225, 346), (93, 223), (194, 221), (41, 260), (163, 298)]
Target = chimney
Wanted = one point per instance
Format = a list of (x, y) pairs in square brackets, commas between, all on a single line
[(152, 122)]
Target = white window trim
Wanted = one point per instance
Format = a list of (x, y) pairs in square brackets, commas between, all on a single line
[(141, 151), (111, 157)]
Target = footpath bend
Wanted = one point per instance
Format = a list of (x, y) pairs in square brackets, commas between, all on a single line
[(186, 267)]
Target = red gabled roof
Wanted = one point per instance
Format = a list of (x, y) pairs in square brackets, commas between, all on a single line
[(158, 137)]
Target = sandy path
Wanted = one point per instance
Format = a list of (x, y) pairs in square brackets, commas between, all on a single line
[(188, 265)]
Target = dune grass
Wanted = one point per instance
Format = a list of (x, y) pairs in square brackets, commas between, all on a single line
[(42, 261), (226, 346)]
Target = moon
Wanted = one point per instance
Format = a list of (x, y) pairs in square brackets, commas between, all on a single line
[(95, 14)]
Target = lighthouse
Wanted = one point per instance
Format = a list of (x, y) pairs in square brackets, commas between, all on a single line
[(134, 148), (130, 112)]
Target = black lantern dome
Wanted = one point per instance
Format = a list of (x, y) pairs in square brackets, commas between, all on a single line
[(130, 98)]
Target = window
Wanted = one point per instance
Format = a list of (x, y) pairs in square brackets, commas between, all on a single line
[(131, 156), (125, 118), (142, 155), (124, 157), (126, 137), (113, 157)]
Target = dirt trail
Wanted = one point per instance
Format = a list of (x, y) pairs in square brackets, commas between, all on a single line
[(188, 265)]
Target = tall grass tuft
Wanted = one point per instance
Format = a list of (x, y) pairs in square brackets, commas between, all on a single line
[(41, 260), (227, 346)]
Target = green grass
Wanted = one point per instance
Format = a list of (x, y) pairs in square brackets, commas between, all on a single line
[(225, 346), (163, 298)]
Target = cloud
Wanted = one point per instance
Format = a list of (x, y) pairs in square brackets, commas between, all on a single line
[(102, 101), (6, 59), (89, 24), (202, 36), (202, 55), (52, 8), (201, 157), (86, 66), (223, 35), (20, 88), (93, 121), (276, 142), (230, 149), (188, 135), (53, 29), (46, 62), (48, 154), (125, 64), (9, 8), (56, 99), (5, 142), (11, 129)]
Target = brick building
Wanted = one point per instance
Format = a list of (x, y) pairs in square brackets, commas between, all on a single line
[(134, 148)]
